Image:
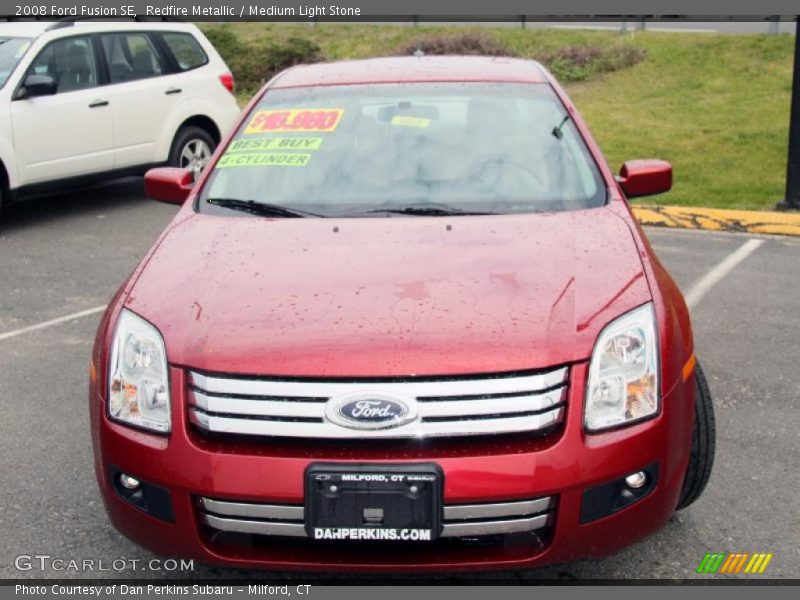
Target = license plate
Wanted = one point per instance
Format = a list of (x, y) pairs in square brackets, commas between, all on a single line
[(378, 503)]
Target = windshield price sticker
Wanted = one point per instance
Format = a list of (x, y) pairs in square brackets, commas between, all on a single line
[(404, 121), (275, 143), (263, 159), (299, 119)]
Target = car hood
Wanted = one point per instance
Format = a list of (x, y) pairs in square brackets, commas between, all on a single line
[(388, 296)]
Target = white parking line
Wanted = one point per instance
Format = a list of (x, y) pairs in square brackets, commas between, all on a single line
[(716, 274), (51, 322)]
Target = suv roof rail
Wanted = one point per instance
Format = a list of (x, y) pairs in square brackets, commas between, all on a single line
[(70, 21), (58, 25)]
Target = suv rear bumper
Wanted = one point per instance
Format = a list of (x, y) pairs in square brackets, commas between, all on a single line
[(562, 465)]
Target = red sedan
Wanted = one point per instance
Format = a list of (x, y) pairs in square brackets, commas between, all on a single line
[(404, 321)]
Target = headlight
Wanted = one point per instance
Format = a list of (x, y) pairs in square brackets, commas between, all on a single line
[(623, 375), (138, 386)]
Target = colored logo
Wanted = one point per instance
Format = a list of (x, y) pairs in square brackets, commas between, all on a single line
[(371, 411), (732, 562)]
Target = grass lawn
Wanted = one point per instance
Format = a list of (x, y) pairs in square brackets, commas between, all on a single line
[(716, 106)]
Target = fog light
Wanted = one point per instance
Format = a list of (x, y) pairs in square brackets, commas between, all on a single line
[(613, 496), (128, 482), (636, 480)]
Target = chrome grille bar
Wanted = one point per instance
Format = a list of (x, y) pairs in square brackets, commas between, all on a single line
[(467, 386), (280, 512), (492, 511), (478, 528), (461, 427), (316, 410), (460, 520), (281, 528), (465, 406), (266, 408)]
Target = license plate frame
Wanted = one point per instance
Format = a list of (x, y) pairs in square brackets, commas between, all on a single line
[(374, 502)]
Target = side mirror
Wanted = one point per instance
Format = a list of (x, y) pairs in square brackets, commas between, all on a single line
[(39, 85), (167, 184), (645, 177)]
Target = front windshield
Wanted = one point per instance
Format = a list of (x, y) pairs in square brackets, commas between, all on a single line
[(354, 150), (12, 49)]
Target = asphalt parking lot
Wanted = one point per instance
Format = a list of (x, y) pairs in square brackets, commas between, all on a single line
[(67, 254)]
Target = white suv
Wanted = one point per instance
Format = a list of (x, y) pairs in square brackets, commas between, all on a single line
[(83, 101)]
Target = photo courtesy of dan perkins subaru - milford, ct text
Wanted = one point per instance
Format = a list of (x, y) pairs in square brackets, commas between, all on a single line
[(160, 590)]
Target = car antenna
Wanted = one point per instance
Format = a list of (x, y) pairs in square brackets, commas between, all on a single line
[(557, 133), (419, 52)]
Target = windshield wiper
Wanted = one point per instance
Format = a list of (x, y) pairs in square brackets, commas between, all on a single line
[(261, 209), (428, 210)]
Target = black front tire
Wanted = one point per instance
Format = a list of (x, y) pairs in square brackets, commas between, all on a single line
[(191, 140), (704, 435)]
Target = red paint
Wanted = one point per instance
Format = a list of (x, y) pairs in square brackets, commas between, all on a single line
[(423, 69), (372, 285), (392, 297), (645, 177), (168, 184)]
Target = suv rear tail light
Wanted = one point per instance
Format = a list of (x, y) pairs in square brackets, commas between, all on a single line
[(226, 79)]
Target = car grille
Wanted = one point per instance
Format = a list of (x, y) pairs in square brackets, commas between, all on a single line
[(458, 406), (460, 520)]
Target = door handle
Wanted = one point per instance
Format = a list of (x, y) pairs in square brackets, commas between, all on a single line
[(97, 103), (173, 91)]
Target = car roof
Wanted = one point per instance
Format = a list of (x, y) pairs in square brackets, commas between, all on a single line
[(34, 29), (413, 69)]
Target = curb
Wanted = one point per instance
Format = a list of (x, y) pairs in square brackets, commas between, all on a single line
[(715, 219)]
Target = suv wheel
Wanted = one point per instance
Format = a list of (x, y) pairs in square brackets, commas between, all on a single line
[(701, 458), (192, 149)]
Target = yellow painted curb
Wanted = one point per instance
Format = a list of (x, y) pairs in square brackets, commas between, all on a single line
[(716, 219)]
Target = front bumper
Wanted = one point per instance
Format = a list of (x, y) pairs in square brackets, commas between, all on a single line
[(561, 465)]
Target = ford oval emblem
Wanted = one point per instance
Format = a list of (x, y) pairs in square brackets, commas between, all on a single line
[(371, 411)]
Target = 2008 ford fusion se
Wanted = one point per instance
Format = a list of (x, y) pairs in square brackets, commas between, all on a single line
[(404, 321)]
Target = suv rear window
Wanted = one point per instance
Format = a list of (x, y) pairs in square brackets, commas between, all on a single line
[(187, 51), (130, 56)]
